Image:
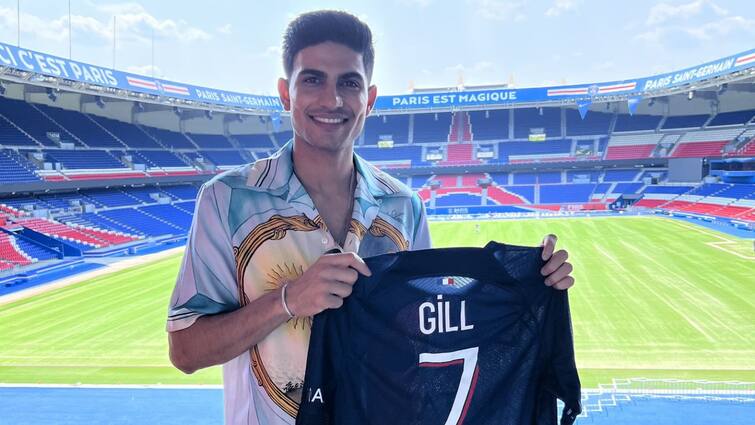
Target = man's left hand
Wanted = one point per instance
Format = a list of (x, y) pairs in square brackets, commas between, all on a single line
[(557, 270)]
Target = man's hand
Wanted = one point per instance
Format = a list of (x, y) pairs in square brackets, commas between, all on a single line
[(556, 270), (325, 283)]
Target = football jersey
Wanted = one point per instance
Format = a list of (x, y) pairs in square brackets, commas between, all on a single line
[(444, 336)]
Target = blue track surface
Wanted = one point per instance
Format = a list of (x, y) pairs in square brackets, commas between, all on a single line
[(62, 406), (47, 406)]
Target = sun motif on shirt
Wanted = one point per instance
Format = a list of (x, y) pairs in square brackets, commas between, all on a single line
[(277, 277)]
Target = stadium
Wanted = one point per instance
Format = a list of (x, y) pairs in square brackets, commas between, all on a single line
[(649, 182)]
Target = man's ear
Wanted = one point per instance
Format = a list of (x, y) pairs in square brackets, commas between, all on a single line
[(371, 97), (283, 94)]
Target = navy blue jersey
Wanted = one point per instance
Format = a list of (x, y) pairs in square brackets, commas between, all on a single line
[(444, 336)]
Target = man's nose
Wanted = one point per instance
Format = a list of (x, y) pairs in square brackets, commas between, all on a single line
[(331, 98)]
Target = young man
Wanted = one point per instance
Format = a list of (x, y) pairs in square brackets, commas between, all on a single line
[(275, 242)]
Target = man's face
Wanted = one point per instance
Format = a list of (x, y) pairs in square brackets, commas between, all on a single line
[(328, 96)]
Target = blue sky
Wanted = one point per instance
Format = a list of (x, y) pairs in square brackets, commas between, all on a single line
[(235, 45)]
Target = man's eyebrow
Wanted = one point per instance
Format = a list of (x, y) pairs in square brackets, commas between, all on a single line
[(351, 75), (312, 72)]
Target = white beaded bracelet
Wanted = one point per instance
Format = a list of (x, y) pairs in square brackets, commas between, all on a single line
[(283, 301)]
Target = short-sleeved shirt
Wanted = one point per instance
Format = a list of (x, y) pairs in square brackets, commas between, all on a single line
[(255, 228)]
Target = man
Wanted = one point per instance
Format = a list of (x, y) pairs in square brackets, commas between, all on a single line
[(275, 242)]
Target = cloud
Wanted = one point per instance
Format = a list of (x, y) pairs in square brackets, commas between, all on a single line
[(664, 12), (133, 22), (561, 6), (55, 29), (145, 70), (273, 51), (499, 10), (419, 3), (225, 29), (700, 20), (721, 27)]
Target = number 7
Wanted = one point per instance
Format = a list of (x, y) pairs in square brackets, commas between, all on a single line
[(468, 358)]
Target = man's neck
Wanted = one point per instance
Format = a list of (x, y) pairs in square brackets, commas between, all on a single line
[(323, 172)]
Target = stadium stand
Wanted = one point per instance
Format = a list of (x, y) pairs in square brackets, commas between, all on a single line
[(170, 139), (697, 144), (36, 145), (432, 127), (131, 135), (83, 159), (626, 122), (387, 127), (260, 141), (85, 129), (685, 121), (13, 168), (27, 118), (635, 146), (210, 141), (224, 158), (490, 125), (593, 123), (528, 119)]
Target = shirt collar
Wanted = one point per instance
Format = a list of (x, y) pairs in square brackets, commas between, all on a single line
[(274, 175)]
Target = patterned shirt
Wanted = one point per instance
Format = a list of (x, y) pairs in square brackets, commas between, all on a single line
[(255, 228)]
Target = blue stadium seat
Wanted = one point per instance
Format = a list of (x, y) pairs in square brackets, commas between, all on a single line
[(210, 141), (254, 140), (505, 149), (407, 152), (33, 122), (228, 157), (490, 125), (181, 192), (566, 193), (432, 127), (526, 192), (620, 175), (282, 137), (626, 122), (526, 119), (627, 188), (458, 200), (393, 127), (141, 223), (595, 123), (155, 158), (84, 128), (13, 169), (685, 121), (83, 159), (131, 134), (34, 250), (170, 139), (677, 190), (732, 118)]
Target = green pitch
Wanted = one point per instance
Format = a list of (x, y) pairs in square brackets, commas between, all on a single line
[(654, 298)]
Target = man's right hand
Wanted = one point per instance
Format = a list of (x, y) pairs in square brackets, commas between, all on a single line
[(325, 283)]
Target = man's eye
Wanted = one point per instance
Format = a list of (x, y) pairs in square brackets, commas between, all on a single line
[(311, 80), (352, 84)]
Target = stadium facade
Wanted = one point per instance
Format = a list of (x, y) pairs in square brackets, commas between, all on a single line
[(97, 162)]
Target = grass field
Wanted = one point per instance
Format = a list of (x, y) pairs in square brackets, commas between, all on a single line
[(654, 298)]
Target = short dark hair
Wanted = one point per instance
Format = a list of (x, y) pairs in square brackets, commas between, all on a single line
[(311, 28)]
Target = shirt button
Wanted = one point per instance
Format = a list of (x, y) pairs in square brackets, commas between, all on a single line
[(324, 241)]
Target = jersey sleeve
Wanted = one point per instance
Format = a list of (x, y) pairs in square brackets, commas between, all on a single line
[(206, 281), (562, 378), (421, 239)]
